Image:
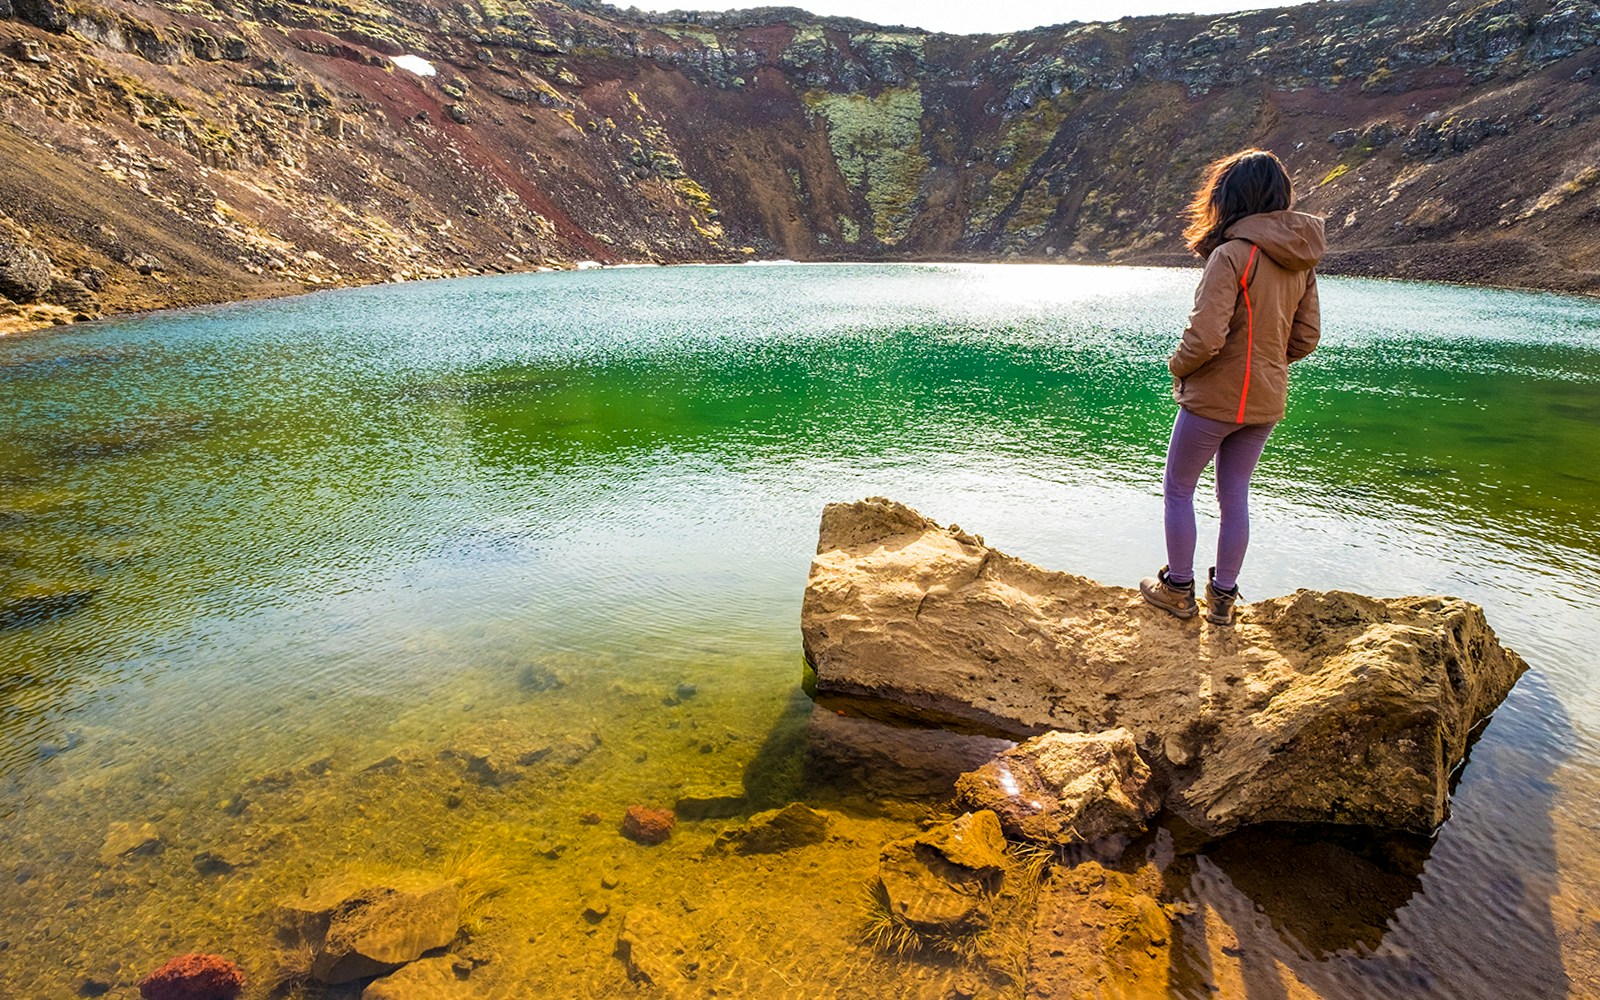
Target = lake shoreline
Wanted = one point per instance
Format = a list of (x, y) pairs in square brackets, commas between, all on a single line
[(1360, 263)]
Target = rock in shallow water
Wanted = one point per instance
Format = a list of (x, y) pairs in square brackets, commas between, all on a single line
[(425, 979), (942, 883), (645, 825), (125, 840), (1066, 788), (777, 830), (1097, 935), (361, 927), (193, 977), (658, 951), (1317, 708)]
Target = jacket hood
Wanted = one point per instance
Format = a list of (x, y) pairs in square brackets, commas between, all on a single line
[(1293, 239)]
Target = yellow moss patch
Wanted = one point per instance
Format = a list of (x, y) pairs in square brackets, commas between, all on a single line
[(877, 143)]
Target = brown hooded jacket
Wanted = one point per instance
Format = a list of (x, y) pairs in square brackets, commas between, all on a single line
[(1254, 312)]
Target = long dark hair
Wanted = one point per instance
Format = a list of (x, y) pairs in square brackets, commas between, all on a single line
[(1249, 181)]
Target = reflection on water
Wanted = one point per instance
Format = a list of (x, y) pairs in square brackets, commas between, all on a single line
[(266, 570)]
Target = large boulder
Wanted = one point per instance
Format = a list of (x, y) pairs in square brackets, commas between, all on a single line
[(359, 927), (26, 272), (1066, 788), (1317, 707)]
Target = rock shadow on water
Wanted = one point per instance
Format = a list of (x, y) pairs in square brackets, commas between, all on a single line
[(1351, 911)]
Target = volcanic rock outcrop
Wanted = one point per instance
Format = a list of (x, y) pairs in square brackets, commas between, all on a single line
[(1316, 708)]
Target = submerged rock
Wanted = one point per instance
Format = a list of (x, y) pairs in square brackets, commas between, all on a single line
[(194, 977), (658, 950), (500, 752), (360, 927), (1066, 788), (125, 839), (777, 830), (1097, 935), (1316, 708), (646, 825), (442, 978), (942, 883)]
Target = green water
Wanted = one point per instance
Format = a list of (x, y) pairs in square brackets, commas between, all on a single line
[(311, 535)]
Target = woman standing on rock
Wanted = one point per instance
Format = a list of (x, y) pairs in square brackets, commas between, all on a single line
[(1254, 312)]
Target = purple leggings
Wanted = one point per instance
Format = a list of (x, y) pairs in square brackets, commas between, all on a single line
[(1237, 448)]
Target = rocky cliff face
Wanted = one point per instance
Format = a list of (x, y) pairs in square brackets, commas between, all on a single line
[(170, 152)]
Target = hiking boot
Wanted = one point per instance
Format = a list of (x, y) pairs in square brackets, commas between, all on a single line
[(1219, 603), (1168, 596)]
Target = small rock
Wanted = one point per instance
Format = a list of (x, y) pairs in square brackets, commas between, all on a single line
[(552, 849), (795, 825), (209, 863), (29, 51), (1066, 788), (194, 977), (590, 819), (609, 880), (646, 825), (25, 271), (124, 839), (596, 909), (972, 840)]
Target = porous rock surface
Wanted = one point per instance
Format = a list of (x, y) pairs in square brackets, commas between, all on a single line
[(1066, 788), (194, 977), (1318, 707)]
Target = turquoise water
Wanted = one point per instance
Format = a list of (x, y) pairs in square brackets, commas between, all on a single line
[(334, 527)]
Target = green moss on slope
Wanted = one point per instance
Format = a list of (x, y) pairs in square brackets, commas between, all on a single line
[(877, 142)]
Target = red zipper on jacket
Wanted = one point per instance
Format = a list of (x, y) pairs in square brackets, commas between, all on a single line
[(1250, 332)]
